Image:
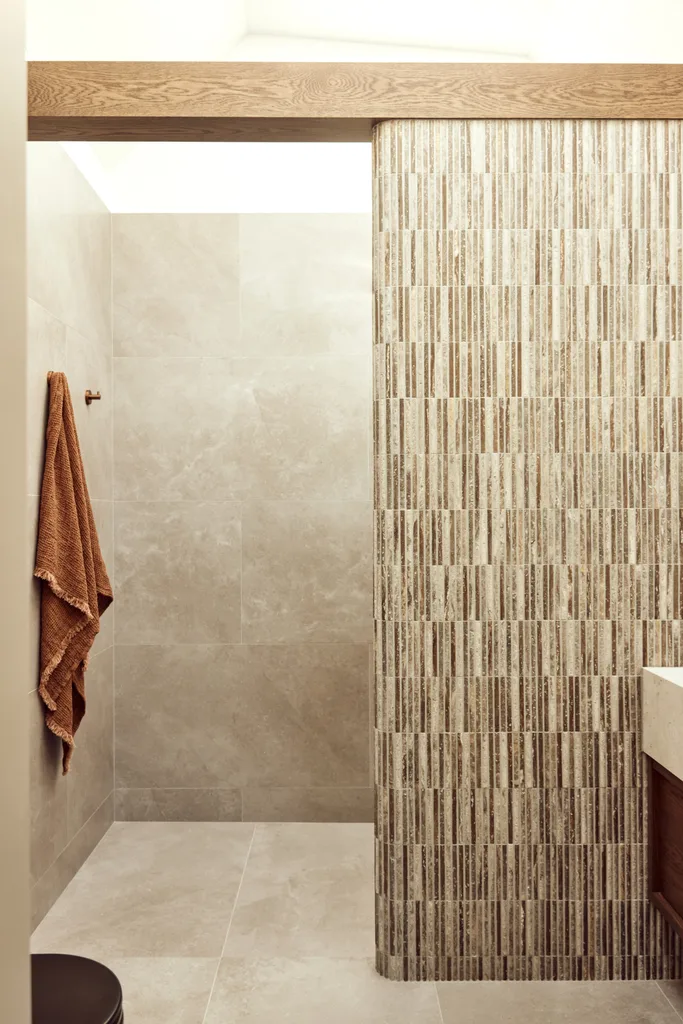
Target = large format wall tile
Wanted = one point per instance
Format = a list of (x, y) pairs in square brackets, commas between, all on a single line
[(69, 287), (269, 803), (46, 350), (178, 572), (268, 406), (175, 284), (206, 716), (307, 571), (312, 804), (49, 831), (103, 511), (53, 882), (306, 283), (69, 243), (91, 778), (89, 366), (528, 379), (228, 429), (171, 427), (178, 805)]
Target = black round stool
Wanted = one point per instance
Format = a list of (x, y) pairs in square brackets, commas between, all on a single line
[(73, 990)]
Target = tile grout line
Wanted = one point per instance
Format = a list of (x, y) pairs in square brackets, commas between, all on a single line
[(239, 889), (251, 500), (667, 999), (438, 1002), (261, 643), (227, 930)]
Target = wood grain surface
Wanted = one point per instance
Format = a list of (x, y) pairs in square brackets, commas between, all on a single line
[(327, 102), (201, 129)]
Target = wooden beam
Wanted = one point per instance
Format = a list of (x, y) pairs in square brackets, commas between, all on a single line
[(200, 129), (327, 102)]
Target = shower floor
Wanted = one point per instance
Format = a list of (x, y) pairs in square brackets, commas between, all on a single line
[(252, 924)]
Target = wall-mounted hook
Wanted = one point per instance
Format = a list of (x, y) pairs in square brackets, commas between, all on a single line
[(92, 396)]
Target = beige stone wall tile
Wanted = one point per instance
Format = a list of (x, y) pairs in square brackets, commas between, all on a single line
[(307, 572), (230, 716), (178, 572), (176, 284), (306, 284)]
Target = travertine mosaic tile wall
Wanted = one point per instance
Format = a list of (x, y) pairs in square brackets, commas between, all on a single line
[(528, 427)]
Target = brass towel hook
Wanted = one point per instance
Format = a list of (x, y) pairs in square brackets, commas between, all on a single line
[(92, 396)]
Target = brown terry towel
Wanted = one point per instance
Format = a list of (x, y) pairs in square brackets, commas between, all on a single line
[(75, 588)]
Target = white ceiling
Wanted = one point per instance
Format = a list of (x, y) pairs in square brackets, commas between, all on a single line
[(608, 30), (296, 48), (133, 29), (537, 30), (493, 25), (210, 29)]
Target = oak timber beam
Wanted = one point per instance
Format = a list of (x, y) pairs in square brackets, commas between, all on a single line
[(259, 101)]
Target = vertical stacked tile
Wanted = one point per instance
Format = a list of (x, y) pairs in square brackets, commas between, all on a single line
[(528, 421)]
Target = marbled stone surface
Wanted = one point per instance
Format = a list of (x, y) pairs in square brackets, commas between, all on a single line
[(215, 715), (528, 491), (159, 890), (304, 284), (46, 350), (243, 528), (69, 244), (178, 572), (307, 572), (274, 922), (235, 429), (175, 286)]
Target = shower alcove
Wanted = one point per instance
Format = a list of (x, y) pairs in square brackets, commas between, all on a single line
[(528, 472)]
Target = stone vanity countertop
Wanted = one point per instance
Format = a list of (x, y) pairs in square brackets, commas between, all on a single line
[(663, 717)]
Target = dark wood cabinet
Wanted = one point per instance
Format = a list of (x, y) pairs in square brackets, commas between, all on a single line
[(666, 843)]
